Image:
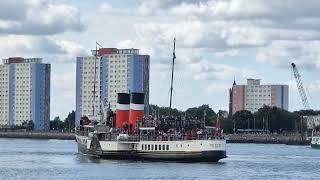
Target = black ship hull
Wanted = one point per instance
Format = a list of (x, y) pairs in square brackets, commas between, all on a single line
[(205, 156)]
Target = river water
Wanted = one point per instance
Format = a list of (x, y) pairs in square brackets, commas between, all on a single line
[(58, 159)]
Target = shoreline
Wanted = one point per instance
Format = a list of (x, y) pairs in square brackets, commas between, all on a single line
[(291, 139), (294, 139), (38, 135)]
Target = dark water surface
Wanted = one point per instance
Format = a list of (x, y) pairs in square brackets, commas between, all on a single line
[(58, 159)]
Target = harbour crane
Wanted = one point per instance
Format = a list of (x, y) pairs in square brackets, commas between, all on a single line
[(302, 92)]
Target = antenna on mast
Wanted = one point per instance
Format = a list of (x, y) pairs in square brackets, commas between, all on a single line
[(173, 59)]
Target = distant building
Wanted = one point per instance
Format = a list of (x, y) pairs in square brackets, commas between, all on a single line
[(25, 93), (118, 71), (253, 96)]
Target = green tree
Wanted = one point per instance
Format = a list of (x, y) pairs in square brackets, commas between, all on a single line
[(276, 119), (30, 126), (69, 122), (226, 124), (56, 124), (242, 119), (164, 111), (201, 112)]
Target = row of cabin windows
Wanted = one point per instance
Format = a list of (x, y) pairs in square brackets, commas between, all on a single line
[(155, 147)]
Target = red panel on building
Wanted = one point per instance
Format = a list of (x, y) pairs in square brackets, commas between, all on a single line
[(15, 60), (105, 51)]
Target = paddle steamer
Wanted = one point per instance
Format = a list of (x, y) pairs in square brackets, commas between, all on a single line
[(129, 134)]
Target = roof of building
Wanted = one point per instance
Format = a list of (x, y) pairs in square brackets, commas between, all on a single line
[(14, 60)]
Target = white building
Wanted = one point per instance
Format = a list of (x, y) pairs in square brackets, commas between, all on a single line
[(253, 96), (117, 71), (25, 93)]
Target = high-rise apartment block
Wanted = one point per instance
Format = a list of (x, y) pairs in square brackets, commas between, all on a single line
[(25, 93), (117, 71), (253, 96)]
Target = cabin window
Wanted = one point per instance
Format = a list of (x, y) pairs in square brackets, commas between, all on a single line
[(145, 147), (148, 146), (167, 147), (155, 147), (159, 147), (152, 147), (142, 146), (163, 147)]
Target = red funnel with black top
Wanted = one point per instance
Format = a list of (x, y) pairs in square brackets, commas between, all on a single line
[(123, 109), (136, 109)]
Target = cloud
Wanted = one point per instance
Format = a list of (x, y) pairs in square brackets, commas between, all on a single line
[(105, 8), (49, 48), (314, 86), (214, 88), (276, 30), (12, 9), (281, 10), (150, 7), (206, 70), (282, 53), (38, 17), (62, 82)]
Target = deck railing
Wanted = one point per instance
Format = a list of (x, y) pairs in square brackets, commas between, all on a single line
[(165, 137)]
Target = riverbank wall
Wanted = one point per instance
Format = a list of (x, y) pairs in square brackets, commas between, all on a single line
[(38, 135), (289, 139)]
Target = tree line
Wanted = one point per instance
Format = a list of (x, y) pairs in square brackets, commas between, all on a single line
[(270, 119), (67, 125)]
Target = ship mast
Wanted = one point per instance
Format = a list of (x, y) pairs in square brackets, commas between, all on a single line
[(173, 59), (95, 77)]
